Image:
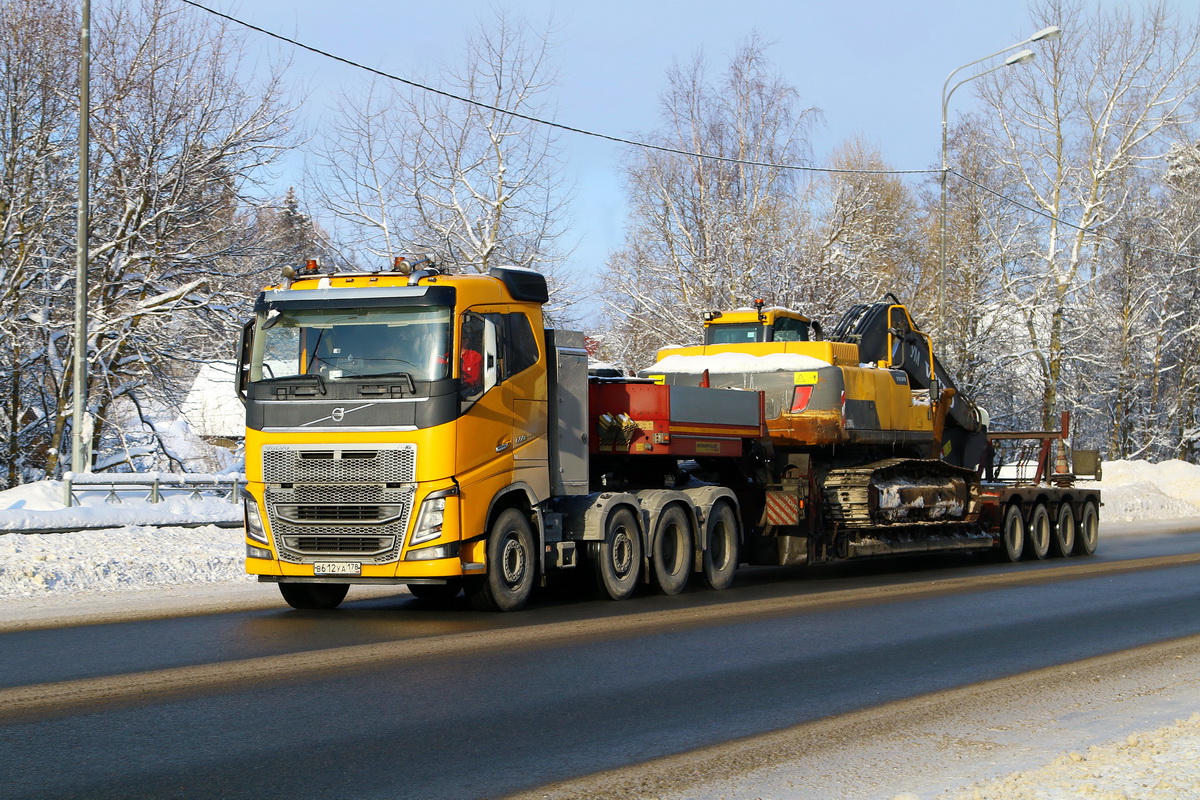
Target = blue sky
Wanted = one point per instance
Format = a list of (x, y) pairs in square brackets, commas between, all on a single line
[(875, 68)]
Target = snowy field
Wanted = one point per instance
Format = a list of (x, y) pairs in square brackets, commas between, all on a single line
[(133, 556)]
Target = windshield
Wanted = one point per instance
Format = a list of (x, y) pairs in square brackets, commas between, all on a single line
[(731, 333), (352, 343)]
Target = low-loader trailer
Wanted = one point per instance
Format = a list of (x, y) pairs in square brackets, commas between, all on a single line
[(420, 428)]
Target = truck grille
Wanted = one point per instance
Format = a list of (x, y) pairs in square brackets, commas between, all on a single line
[(392, 463), (307, 514), (339, 500), (341, 545)]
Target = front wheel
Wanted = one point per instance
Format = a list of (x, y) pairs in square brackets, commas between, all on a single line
[(436, 592), (314, 596), (721, 547), (1089, 529), (617, 561), (510, 565), (1039, 532)]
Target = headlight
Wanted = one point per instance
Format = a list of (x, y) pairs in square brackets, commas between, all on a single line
[(429, 521), (254, 525)]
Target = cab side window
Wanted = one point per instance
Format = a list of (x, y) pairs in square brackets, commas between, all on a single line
[(471, 357), (521, 351)]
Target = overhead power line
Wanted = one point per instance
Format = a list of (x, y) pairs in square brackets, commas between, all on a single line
[(664, 148), (1069, 224), (546, 122)]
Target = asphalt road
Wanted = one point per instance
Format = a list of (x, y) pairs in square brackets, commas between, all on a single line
[(391, 698)]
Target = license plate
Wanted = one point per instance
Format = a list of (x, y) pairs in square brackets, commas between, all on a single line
[(337, 568)]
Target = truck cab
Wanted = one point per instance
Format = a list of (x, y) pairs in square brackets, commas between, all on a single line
[(375, 404)]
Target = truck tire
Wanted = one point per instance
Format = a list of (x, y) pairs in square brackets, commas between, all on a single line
[(721, 550), (617, 561), (314, 596), (1039, 533), (1012, 534), (511, 560), (436, 592), (1064, 531), (1088, 534), (672, 552)]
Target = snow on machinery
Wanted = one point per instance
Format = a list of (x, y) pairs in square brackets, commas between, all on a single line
[(421, 428), (874, 450)]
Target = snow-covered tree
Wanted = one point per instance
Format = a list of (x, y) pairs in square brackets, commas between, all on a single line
[(177, 136), (703, 233), (405, 171), (1069, 128)]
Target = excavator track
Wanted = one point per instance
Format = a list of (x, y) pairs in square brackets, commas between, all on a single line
[(899, 491)]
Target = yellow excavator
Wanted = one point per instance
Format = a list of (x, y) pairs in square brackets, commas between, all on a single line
[(867, 417)]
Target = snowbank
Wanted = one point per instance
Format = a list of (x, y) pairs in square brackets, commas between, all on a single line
[(40, 505), (36, 565), (1136, 491)]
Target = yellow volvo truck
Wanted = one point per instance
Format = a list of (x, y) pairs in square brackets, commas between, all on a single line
[(427, 429), (413, 427)]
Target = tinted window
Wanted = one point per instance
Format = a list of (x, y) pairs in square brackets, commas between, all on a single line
[(733, 334), (520, 345), (790, 330)]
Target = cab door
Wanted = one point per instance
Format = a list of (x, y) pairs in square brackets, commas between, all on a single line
[(524, 373), (483, 448)]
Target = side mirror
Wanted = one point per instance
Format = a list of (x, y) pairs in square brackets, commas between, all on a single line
[(245, 342), (491, 361)]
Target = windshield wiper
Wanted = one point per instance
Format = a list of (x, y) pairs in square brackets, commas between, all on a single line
[(407, 378), (311, 377)]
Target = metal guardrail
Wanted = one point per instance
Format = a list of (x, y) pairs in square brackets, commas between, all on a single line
[(152, 483)]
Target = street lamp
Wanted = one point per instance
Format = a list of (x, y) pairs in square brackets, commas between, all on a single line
[(1044, 35)]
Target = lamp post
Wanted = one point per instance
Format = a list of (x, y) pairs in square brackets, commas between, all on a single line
[(1045, 34), (81, 457)]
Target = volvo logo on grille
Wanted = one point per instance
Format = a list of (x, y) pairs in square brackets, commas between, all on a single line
[(337, 414)]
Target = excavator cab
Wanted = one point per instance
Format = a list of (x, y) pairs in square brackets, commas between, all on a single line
[(759, 324)]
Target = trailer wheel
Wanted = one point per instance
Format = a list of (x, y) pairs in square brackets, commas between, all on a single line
[(721, 554), (1013, 539), (1089, 529), (314, 596), (672, 551), (510, 565), (436, 592), (617, 561), (1039, 532), (1064, 530)]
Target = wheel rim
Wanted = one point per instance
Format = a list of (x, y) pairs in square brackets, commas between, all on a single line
[(621, 553), (672, 549), (718, 547), (1040, 535), (512, 560), (1014, 535)]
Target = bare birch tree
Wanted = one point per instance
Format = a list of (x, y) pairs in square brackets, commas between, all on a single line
[(36, 212), (702, 233), (177, 135), (1095, 104), (407, 171)]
